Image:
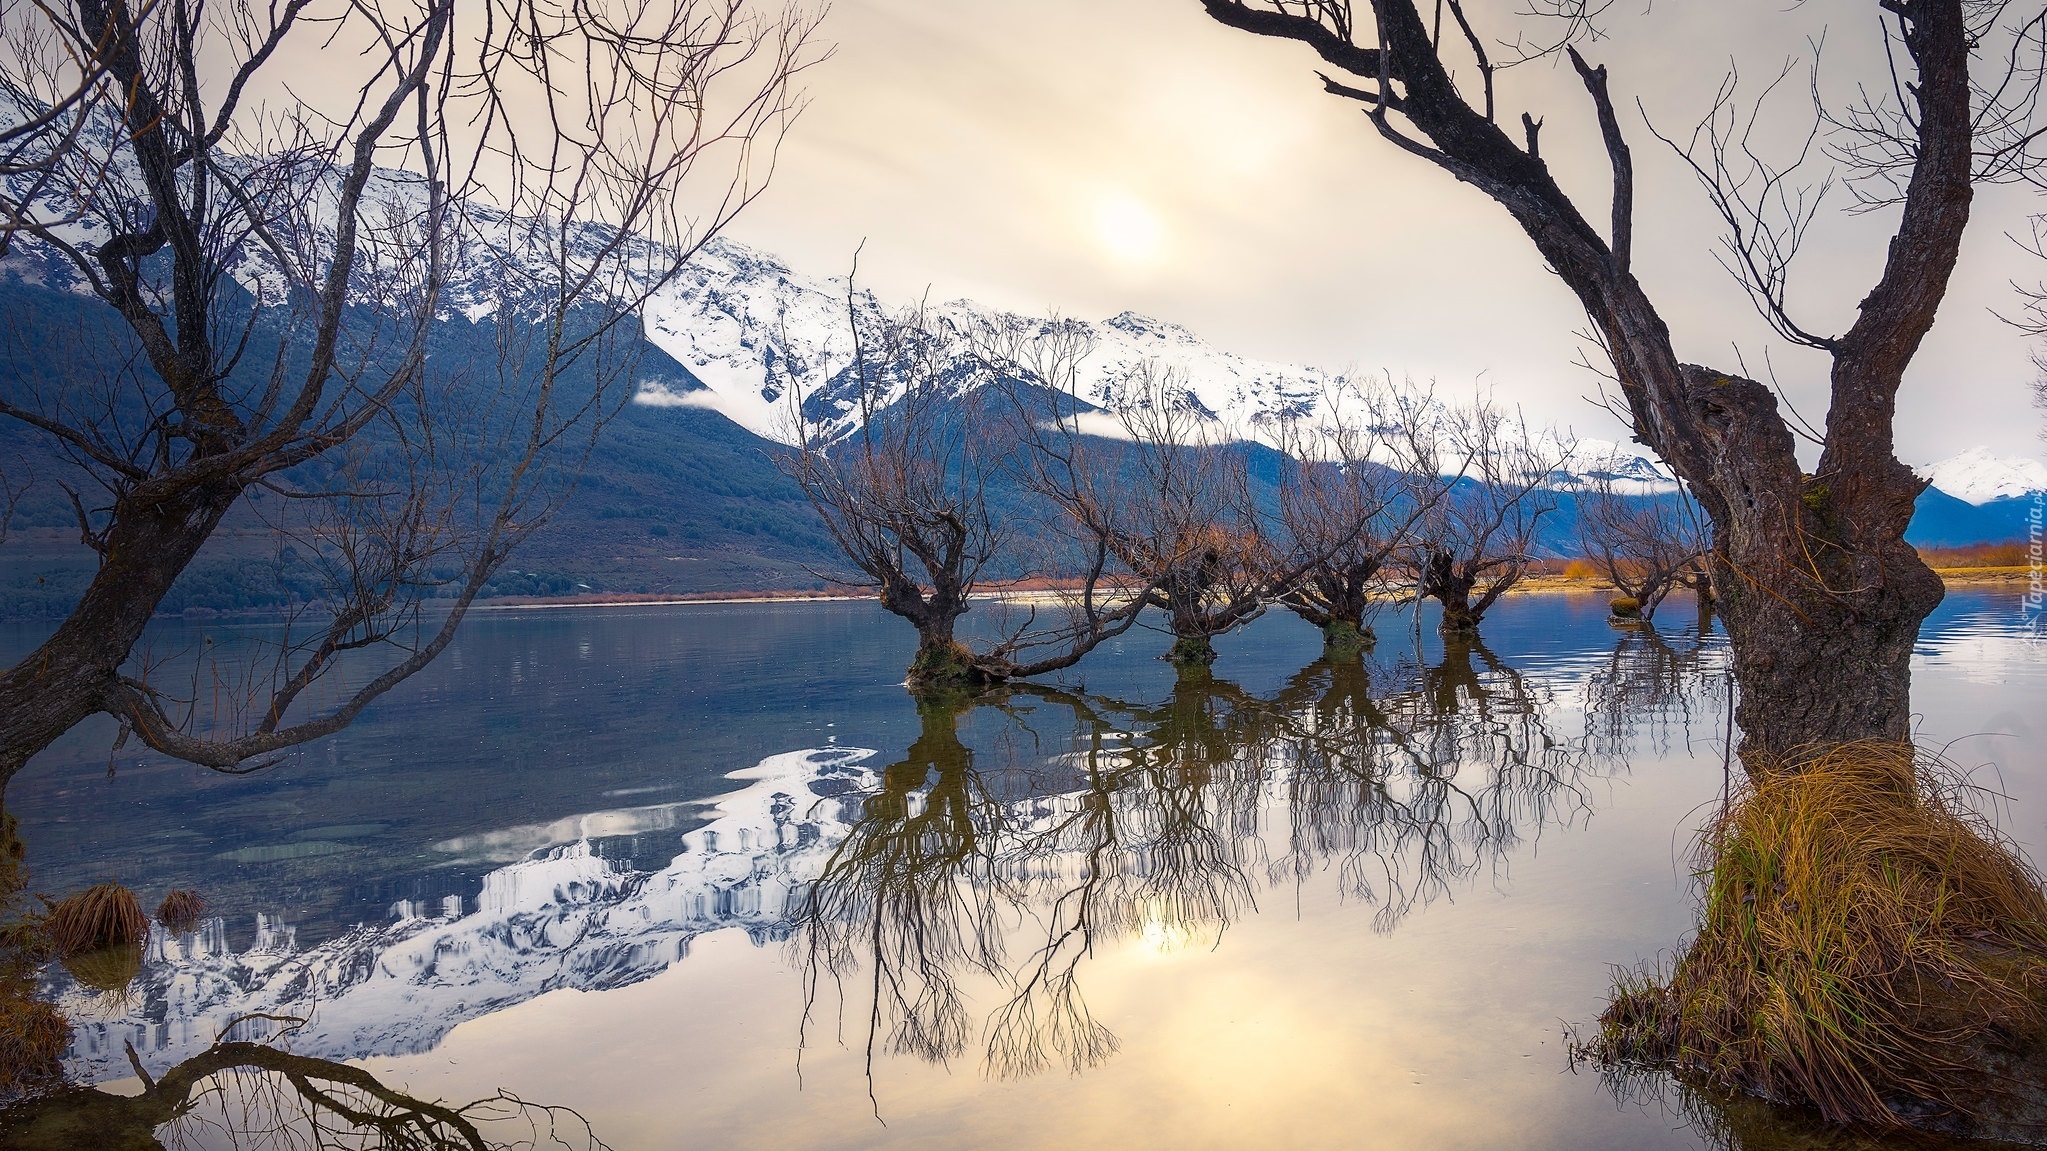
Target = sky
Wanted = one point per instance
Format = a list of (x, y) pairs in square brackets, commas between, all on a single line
[(1093, 156)]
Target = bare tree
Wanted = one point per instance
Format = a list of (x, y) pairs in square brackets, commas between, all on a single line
[(1646, 545), (1167, 492), (1822, 596), (276, 273), (1348, 507), (905, 495), (1154, 497), (1187, 522), (1478, 536), (939, 412)]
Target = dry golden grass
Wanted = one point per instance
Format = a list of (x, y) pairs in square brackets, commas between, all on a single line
[(2005, 555), (181, 911), (1869, 945), (97, 918), (33, 1034)]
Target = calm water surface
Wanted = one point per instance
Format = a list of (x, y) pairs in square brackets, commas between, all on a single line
[(706, 875)]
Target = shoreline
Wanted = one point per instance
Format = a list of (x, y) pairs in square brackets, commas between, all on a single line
[(1535, 585), (684, 600), (2015, 578)]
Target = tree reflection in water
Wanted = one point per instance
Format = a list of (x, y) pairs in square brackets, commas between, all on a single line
[(258, 1096), (914, 893), (1160, 821), (1651, 688), (1428, 784)]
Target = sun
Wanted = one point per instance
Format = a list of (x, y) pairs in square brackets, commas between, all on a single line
[(1128, 229)]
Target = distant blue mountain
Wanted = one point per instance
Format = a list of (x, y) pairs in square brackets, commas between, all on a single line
[(1939, 520), (676, 499)]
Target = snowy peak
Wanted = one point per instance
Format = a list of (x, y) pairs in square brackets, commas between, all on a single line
[(765, 342), (1628, 470), (1138, 326), (1978, 477)]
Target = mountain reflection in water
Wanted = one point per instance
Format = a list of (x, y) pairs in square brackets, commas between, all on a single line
[(1007, 858)]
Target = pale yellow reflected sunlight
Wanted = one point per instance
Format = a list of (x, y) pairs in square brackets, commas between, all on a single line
[(1163, 934)]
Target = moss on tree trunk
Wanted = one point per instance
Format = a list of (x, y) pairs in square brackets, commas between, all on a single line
[(1192, 651), (1344, 640), (946, 669)]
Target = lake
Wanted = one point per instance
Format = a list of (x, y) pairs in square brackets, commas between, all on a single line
[(706, 875)]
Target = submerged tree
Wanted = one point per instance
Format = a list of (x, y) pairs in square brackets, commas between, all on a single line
[(1646, 544), (1186, 519), (1348, 503), (1477, 538), (906, 493), (1159, 491), (274, 278)]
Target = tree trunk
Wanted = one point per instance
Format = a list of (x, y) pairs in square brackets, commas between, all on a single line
[(1444, 580), (942, 665), (67, 678), (1453, 591), (1821, 595), (1458, 618)]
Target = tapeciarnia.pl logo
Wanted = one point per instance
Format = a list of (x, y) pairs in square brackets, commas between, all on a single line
[(2036, 583)]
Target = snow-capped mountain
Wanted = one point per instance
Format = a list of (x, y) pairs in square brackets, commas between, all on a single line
[(1978, 477), (763, 341)]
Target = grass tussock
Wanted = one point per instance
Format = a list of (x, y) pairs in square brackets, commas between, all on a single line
[(181, 911), (1869, 946), (96, 919)]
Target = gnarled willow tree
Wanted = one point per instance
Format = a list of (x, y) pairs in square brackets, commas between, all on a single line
[(1822, 596)]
